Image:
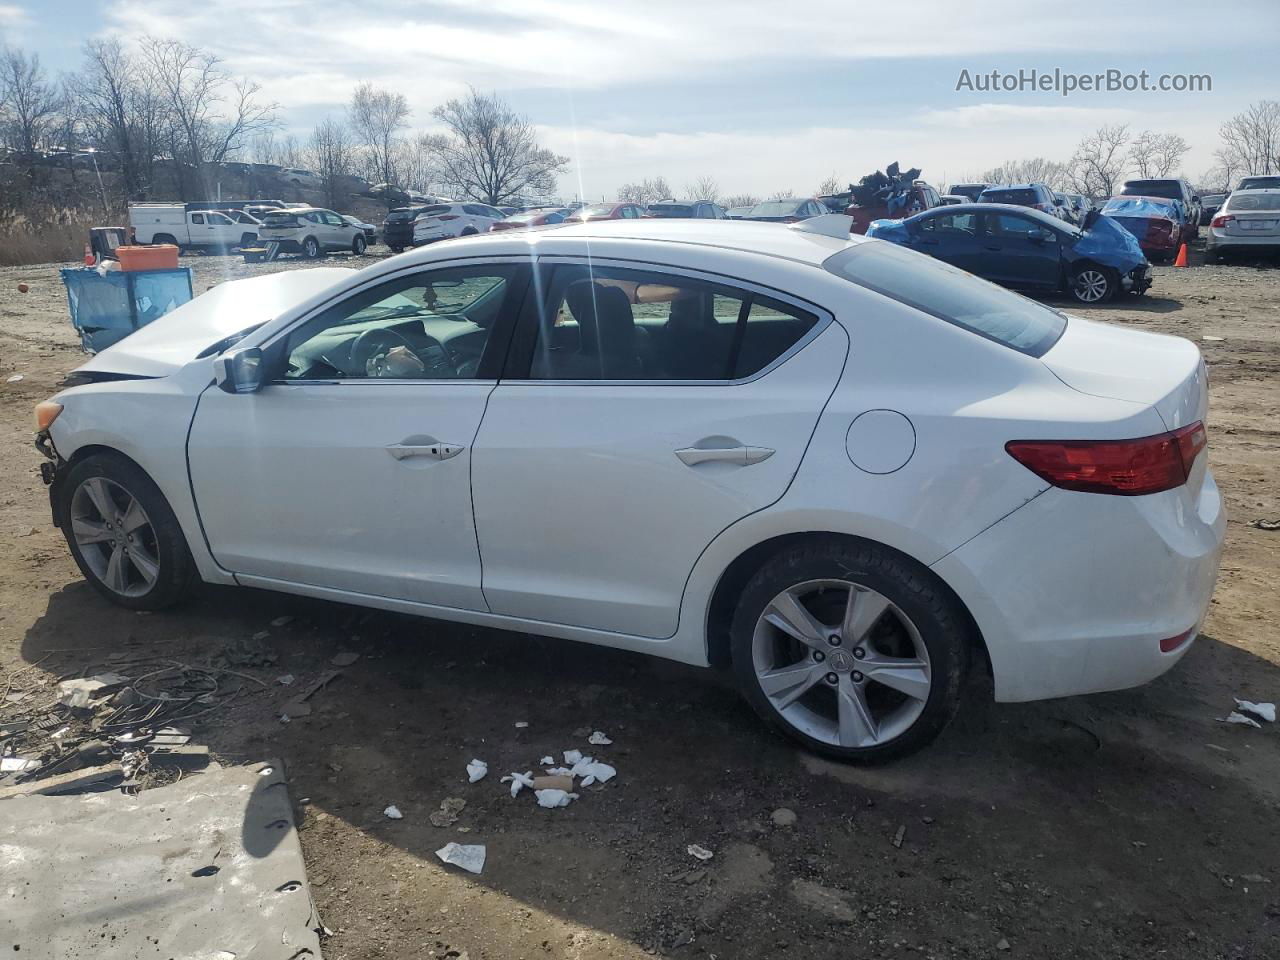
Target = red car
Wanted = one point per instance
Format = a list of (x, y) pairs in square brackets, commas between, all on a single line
[(921, 197), (1160, 224), (606, 211), (543, 217)]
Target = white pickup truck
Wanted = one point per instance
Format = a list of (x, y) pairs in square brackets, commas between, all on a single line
[(188, 228)]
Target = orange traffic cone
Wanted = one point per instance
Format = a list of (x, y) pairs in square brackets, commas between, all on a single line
[(1181, 261), (88, 256)]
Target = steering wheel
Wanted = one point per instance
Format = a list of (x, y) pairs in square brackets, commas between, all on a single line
[(372, 342)]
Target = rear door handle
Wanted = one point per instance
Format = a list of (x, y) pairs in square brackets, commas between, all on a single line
[(741, 455), (435, 451)]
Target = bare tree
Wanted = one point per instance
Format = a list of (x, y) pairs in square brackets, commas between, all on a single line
[(416, 162), (1099, 161), (741, 200), (330, 155), (491, 153), (195, 87), (31, 101), (704, 188), (377, 117), (1157, 154), (832, 184), (114, 105), (1032, 170), (649, 190), (781, 195), (1253, 137)]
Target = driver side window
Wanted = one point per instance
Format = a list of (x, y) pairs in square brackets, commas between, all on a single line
[(431, 325)]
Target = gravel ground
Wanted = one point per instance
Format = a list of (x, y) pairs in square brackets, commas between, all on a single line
[(1119, 825)]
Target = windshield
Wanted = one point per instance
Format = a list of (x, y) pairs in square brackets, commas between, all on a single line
[(775, 208), (597, 210), (1021, 198), (951, 294), (670, 210)]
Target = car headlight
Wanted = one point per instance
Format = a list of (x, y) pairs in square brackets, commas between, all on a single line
[(46, 412)]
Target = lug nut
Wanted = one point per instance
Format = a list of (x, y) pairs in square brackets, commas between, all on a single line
[(859, 652), (819, 655), (856, 676), (832, 679), (834, 640)]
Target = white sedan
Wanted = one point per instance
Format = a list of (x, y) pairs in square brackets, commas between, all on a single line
[(844, 470)]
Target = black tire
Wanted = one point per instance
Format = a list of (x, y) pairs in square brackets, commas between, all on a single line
[(311, 248), (248, 239), (176, 576), (397, 249), (160, 238), (941, 622), (469, 232), (358, 245), (1092, 283)]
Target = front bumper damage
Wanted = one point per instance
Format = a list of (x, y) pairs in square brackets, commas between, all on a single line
[(52, 470)]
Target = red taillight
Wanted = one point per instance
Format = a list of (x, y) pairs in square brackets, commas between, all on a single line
[(1128, 468), (1221, 220), (1170, 644)]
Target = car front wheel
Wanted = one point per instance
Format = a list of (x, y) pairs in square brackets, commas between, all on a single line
[(123, 535), (1094, 284), (850, 648)]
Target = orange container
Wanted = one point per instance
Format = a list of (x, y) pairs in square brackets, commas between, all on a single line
[(157, 257)]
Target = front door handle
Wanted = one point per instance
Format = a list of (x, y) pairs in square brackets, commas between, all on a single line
[(435, 451), (741, 455)]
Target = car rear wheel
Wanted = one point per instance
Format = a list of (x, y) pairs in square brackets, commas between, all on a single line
[(851, 649), (311, 248), (358, 245), (469, 231), (1094, 284), (123, 535), (395, 249)]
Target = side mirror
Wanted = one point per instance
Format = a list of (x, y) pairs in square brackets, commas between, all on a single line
[(239, 371)]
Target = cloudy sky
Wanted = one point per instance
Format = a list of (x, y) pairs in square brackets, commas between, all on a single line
[(764, 96)]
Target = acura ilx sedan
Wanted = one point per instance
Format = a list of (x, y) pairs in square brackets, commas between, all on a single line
[(844, 470)]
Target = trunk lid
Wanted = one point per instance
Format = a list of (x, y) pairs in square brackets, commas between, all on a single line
[(171, 342), (1163, 372)]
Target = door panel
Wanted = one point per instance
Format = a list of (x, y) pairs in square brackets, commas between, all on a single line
[(303, 483), (586, 513), (951, 238), (1011, 256)]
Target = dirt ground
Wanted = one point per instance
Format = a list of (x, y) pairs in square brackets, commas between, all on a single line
[(1121, 825)]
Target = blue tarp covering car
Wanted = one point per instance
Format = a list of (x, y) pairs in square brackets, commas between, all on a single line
[(1027, 249), (107, 306)]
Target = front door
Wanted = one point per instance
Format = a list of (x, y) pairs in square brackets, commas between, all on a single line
[(1018, 251), (950, 237), (350, 470), (643, 412)]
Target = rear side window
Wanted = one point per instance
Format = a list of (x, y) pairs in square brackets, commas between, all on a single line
[(1022, 198), (602, 323), (941, 290), (1153, 188)]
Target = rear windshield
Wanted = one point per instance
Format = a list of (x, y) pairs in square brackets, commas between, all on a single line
[(1153, 188), (1259, 183), (670, 210), (434, 209), (970, 190), (778, 208), (1253, 201), (949, 294), (279, 220), (1022, 198), (1139, 207), (396, 215)]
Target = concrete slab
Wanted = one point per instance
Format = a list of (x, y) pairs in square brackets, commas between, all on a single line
[(208, 868)]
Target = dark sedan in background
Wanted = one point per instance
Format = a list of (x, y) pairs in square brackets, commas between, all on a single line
[(1026, 249)]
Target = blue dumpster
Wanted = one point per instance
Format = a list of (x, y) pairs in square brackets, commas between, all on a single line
[(107, 307)]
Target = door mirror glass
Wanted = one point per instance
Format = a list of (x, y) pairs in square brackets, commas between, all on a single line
[(239, 371)]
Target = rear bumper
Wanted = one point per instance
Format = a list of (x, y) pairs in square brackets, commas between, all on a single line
[(1137, 280), (1218, 239), (287, 244), (1074, 591)]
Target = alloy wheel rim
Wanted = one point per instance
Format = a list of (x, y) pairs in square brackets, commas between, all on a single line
[(1090, 286), (115, 537), (841, 663)]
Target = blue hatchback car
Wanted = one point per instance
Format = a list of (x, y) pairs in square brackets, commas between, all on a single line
[(1026, 249)]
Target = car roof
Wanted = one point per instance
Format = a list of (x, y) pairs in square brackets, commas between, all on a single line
[(745, 236), (1016, 186), (1047, 219)]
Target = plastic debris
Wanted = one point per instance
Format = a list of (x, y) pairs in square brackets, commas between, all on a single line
[(518, 781), (393, 812), (572, 756), (447, 815), (476, 770), (599, 739), (286, 679), (521, 724), (15, 378), (559, 771), (344, 659), (897, 837), (593, 771), (700, 852), (469, 856), (546, 760), (1263, 711), (1240, 718), (554, 798)]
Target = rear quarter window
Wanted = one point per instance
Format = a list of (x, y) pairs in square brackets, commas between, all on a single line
[(949, 294)]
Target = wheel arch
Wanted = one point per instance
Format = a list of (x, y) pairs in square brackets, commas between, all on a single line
[(79, 456), (743, 567)]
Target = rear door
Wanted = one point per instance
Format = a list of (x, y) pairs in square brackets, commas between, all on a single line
[(643, 411), (950, 237)]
